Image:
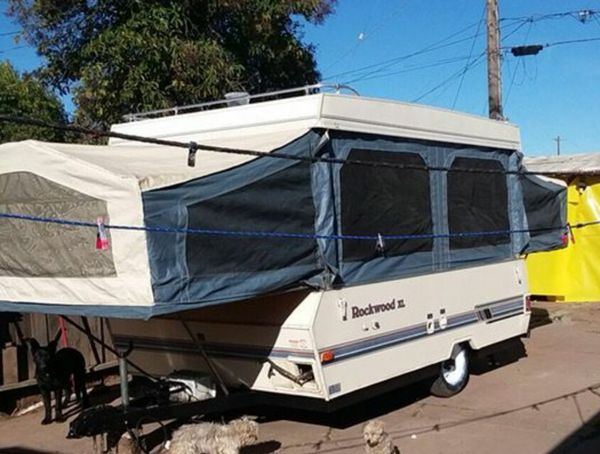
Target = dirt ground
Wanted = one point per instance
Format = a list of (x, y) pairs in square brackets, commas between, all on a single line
[(546, 402)]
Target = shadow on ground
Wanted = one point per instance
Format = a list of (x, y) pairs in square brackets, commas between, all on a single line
[(584, 440), (372, 407), (512, 351), (539, 317), (17, 450), (265, 447)]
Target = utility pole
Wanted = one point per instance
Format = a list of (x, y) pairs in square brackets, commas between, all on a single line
[(493, 61), (557, 140)]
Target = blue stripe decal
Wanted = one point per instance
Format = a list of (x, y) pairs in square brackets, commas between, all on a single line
[(509, 307), (386, 340), (505, 312), (514, 304), (345, 351)]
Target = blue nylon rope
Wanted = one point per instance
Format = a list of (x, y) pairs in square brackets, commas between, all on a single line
[(289, 235)]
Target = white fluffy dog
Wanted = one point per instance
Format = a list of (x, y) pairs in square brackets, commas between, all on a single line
[(211, 438), (377, 440)]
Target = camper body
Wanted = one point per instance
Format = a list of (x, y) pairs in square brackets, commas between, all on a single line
[(342, 340), (313, 275)]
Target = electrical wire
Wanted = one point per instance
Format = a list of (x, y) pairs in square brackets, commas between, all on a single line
[(454, 76), (512, 79), (10, 49), (560, 43), (398, 60), (412, 68), (573, 41), (466, 68), (389, 63), (577, 14), (382, 65), (430, 48)]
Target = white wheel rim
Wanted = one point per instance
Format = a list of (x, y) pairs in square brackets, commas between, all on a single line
[(455, 374)]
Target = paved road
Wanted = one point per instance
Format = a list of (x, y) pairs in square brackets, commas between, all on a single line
[(544, 403)]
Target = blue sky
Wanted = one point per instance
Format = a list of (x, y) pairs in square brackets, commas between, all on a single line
[(556, 93)]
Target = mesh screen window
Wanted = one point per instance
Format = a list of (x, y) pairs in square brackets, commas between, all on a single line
[(281, 202), (477, 202), (41, 249), (386, 201)]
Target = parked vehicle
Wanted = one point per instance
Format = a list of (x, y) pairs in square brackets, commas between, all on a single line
[(309, 246)]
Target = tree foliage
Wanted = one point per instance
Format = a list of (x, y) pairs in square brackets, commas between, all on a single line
[(121, 56), (25, 96)]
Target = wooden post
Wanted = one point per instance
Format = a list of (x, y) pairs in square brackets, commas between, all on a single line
[(10, 364), (92, 344), (493, 60)]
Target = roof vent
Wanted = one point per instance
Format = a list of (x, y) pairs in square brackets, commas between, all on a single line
[(237, 98)]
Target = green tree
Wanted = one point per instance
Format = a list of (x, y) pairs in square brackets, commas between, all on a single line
[(24, 96), (121, 56)]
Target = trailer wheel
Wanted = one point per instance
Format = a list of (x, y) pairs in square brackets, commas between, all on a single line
[(453, 375)]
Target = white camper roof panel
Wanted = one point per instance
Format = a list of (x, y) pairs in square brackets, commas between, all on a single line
[(153, 166), (330, 111)]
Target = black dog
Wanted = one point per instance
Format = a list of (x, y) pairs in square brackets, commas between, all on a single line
[(53, 371)]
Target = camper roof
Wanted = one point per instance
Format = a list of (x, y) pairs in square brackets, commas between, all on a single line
[(329, 111), (152, 166)]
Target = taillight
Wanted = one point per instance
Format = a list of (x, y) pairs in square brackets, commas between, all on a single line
[(327, 356)]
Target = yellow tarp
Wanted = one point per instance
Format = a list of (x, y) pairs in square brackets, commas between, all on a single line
[(573, 273)]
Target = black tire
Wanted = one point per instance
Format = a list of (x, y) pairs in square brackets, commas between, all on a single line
[(454, 373)]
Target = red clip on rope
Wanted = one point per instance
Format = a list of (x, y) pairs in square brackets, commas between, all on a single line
[(101, 237)]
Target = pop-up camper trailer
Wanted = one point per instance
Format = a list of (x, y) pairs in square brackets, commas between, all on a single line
[(386, 237)]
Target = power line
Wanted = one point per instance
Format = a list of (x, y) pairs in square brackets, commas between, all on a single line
[(519, 51), (395, 61), (430, 48), (438, 45), (573, 41), (10, 49), (579, 15), (512, 80), (376, 74), (9, 33), (466, 68), (411, 68), (451, 78)]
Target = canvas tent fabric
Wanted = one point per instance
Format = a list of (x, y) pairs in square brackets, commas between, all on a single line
[(571, 274), (545, 202), (235, 227)]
